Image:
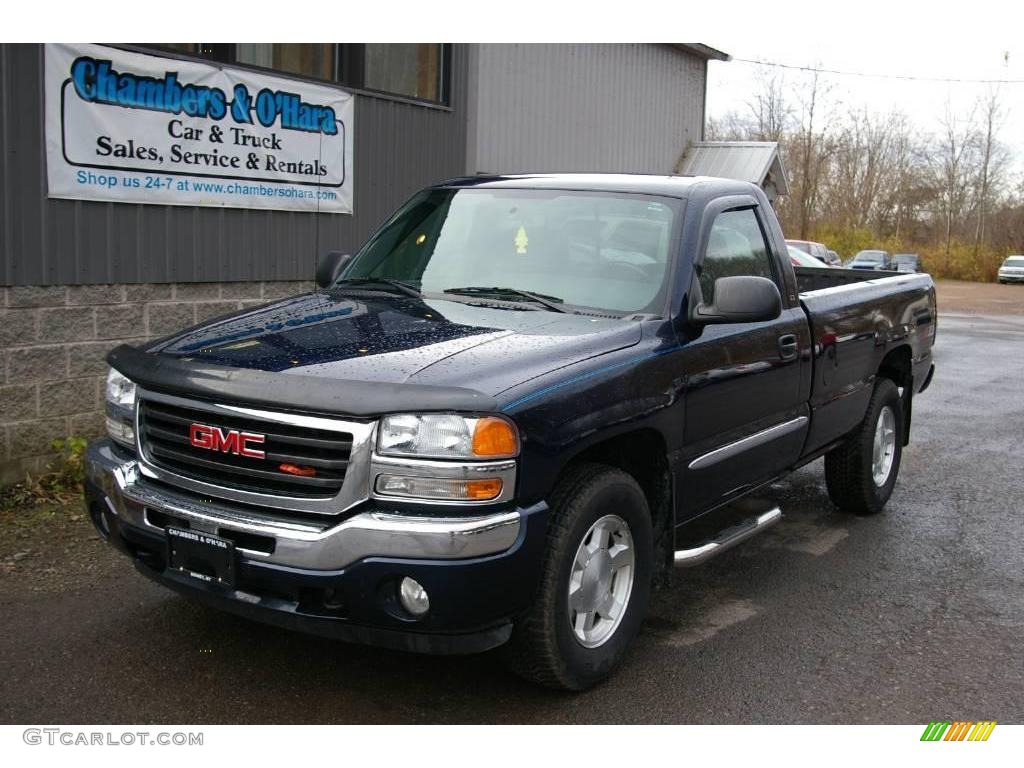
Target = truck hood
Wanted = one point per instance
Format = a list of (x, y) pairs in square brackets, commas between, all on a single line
[(370, 337)]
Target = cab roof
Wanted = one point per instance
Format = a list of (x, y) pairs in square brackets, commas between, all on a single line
[(666, 186)]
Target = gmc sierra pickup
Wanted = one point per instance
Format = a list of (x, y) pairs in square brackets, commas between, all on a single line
[(505, 416)]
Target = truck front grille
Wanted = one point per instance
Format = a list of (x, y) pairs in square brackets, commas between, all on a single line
[(298, 461)]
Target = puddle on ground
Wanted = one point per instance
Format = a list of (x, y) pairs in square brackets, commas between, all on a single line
[(702, 625), (809, 538)]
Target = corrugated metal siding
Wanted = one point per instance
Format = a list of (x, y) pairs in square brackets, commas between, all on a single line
[(399, 147), (584, 107)]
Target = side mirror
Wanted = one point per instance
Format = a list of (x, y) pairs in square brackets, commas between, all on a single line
[(740, 299), (330, 267)]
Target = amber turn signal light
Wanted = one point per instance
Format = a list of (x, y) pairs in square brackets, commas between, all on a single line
[(481, 490), (494, 438)]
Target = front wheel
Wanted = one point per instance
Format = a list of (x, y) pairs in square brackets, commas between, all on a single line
[(594, 584), (861, 473)]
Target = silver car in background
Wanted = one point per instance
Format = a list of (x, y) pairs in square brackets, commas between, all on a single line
[(1012, 270), (871, 259)]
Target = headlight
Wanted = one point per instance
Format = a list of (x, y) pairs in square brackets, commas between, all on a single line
[(447, 436), (120, 390), (120, 408)]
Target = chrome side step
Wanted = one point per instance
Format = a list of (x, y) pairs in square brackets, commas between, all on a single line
[(727, 539)]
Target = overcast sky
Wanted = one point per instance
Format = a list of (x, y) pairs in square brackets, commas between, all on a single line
[(961, 47)]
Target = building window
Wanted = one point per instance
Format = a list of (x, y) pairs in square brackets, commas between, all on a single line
[(413, 70), (311, 59), (212, 51), (192, 48), (406, 69)]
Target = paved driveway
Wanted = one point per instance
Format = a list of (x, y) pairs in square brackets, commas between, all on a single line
[(911, 616)]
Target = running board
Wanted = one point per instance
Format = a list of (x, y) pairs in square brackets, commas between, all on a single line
[(727, 539)]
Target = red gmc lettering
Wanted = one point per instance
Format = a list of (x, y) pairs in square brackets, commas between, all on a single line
[(225, 441)]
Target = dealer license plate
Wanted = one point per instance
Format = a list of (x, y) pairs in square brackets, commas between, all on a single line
[(201, 555)]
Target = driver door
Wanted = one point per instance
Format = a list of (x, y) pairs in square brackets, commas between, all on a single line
[(745, 417)]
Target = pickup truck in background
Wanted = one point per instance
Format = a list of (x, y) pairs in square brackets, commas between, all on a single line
[(504, 418)]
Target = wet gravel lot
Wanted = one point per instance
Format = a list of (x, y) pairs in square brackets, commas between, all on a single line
[(910, 616)]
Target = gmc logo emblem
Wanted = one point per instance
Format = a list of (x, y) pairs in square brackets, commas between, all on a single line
[(225, 440)]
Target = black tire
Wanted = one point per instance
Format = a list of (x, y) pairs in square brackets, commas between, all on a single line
[(543, 647), (848, 468)]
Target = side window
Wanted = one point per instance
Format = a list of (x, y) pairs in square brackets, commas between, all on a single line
[(736, 246)]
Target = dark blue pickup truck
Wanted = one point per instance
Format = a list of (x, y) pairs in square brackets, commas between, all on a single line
[(502, 420)]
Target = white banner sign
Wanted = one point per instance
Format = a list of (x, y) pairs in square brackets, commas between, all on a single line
[(145, 129)]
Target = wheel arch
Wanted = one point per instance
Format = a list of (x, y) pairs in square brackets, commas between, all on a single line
[(897, 366), (641, 453)]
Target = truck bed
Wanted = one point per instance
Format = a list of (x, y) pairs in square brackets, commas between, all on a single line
[(857, 317), (818, 278)]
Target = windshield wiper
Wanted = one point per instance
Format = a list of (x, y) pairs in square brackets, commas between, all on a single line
[(550, 302), (408, 290)]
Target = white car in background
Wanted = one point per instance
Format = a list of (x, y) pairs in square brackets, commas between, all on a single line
[(1012, 270)]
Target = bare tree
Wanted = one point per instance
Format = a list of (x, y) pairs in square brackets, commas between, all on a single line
[(814, 147), (858, 177), (862, 169), (768, 106), (904, 156), (731, 126), (956, 143), (990, 159)]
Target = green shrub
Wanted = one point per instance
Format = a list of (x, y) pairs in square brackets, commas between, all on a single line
[(961, 263), (69, 469), (61, 483)]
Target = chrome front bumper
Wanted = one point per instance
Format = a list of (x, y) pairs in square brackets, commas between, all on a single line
[(317, 544)]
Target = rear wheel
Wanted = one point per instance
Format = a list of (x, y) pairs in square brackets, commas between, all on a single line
[(861, 473), (594, 584)]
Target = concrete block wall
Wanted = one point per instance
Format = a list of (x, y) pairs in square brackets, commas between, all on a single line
[(53, 341)]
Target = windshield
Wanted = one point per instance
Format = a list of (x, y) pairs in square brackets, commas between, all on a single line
[(1014, 261), (584, 249)]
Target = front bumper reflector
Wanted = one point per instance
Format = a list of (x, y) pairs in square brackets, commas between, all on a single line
[(438, 488)]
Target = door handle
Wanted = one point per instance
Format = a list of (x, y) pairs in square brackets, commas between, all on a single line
[(789, 347)]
